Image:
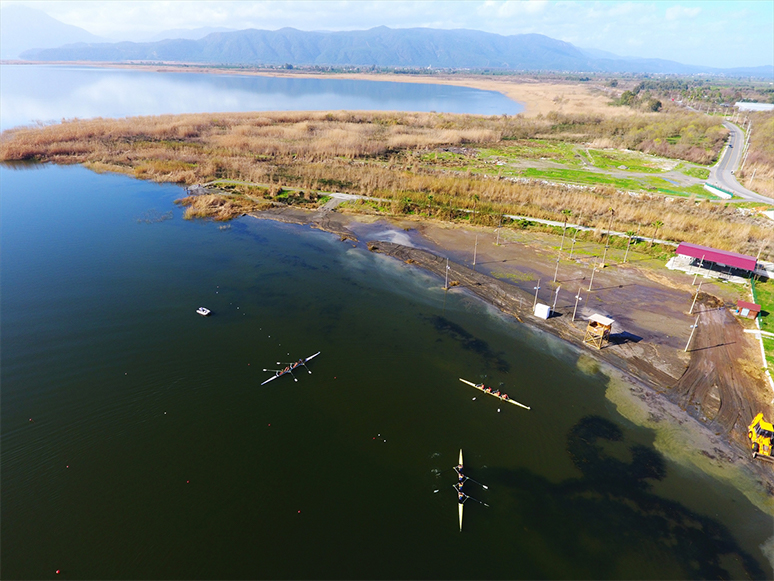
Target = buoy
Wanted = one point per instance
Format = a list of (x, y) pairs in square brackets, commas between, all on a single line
[(57, 571), (498, 410)]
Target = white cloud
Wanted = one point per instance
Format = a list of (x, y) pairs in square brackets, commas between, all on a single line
[(681, 12)]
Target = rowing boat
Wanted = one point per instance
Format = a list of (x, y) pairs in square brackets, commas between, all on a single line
[(290, 368), (482, 388), (460, 504)]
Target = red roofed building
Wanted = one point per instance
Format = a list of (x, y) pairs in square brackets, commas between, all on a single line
[(749, 310), (722, 258)]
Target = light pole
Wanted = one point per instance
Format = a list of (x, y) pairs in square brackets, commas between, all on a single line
[(577, 298), (537, 288), (593, 270), (694, 298), (693, 330), (607, 243), (556, 296), (475, 251), (697, 272), (446, 286)]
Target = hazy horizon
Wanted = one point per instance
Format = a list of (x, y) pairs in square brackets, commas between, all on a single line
[(705, 33)]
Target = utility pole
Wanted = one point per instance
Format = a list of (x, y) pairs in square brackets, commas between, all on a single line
[(577, 298), (556, 270), (697, 272), (607, 243), (556, 296), (446, 286), (475, 251), (537, 288), (693, 330), (696, 296), (593, 270)]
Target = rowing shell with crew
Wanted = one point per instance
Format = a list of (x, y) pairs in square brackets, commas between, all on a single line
[(461, 496), (289, 367), (495, 392)]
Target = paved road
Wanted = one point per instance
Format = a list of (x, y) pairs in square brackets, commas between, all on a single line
[(722, 175)]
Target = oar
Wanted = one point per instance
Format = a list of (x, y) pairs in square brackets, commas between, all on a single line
[(477, 500), (477, 482), (469, 497), (296, 367)]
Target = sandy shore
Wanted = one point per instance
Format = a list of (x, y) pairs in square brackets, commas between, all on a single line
[(538, 97), (645, 360)]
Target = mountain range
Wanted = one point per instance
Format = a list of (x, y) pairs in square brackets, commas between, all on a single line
[(381, 47)]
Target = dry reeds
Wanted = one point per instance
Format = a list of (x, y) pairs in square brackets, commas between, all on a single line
[(378, 154)]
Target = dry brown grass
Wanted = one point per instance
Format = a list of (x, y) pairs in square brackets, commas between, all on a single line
[(379, 154)]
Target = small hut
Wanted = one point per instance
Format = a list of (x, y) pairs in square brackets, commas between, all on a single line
[(747, 310), (598, 330)]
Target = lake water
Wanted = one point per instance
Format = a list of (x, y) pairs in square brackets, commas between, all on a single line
[(47, 93), (137, 442)]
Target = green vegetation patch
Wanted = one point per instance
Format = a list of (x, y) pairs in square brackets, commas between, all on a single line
[(701, 173), (764, 296)]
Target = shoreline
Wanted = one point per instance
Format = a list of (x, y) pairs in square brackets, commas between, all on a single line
[(537, 97), (640, 377)]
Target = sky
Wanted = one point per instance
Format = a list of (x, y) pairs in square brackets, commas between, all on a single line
[(710, 33)]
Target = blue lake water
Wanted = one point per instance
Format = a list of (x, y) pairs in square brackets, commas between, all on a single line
[(137, 442), (47, 93)]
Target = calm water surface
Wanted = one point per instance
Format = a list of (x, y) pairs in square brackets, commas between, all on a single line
[(153, 451), (47, 93)]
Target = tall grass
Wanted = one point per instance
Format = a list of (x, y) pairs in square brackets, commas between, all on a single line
[(380, 154)]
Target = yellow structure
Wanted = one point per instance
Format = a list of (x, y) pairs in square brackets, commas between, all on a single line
[(760, 433), (598, 330)]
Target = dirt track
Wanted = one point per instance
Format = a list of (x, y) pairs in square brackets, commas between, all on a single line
[(649, 304)]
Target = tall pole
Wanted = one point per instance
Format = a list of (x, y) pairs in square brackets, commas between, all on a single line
[(572, 247), (696, 296), (475, 251), (537, 288), (556, 296), (607, 243), (593, 270), (556, 270), (628, 245), (577, 298), (697, 272), (446, 286), (693, 330)]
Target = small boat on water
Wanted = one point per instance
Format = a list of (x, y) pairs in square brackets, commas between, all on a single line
[(496, 393), (289, 368), (203, 311), (461, 498)]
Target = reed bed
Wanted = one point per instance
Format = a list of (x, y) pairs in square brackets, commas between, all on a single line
[(380, 154)]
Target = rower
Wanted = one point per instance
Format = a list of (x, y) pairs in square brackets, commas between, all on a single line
[(497, 393), (505, 396), (488, 389)]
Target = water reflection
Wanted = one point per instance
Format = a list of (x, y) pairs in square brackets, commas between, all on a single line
[(50, 93), (609, 519)]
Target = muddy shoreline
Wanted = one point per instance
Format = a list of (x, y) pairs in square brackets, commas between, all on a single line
[(653, 381)]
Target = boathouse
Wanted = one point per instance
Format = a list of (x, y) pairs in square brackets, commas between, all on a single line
[(713, 261), (747, 310)]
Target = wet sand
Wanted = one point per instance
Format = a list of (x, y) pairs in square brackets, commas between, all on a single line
[(698, 403)]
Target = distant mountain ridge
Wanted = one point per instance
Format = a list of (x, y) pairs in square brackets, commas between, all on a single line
[(381, 46), (22, 27)]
